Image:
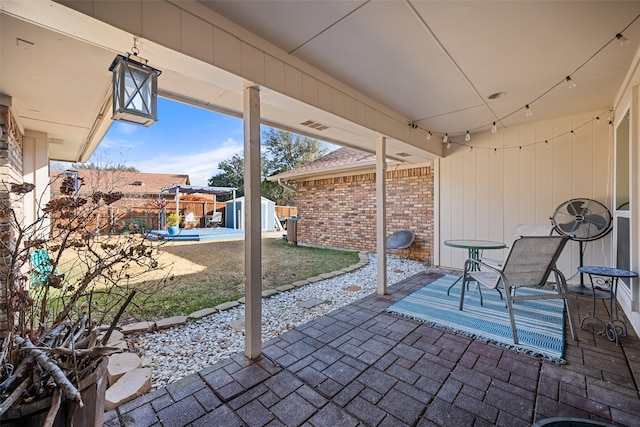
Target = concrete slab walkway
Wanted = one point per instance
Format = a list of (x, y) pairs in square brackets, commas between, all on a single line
[(359, 366)]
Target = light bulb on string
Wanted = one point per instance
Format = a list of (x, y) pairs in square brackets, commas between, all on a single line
[(494, 128), (448, 145), (429, 136), (467, 137), (622, 39), (445, 138), (527, 111), (573, 134), (570, 82), (598, 120)]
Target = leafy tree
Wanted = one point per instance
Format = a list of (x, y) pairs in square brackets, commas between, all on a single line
[(282, 151), (119, 167), (232, 175), (285, 151)]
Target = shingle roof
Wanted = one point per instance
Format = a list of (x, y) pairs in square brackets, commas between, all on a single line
[(130, 183), (341, 159)]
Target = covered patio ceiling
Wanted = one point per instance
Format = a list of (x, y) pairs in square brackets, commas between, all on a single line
[(434, 63)]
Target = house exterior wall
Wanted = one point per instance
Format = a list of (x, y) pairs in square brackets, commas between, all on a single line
[(10, 173), (629, 100), (341, 211), (513, 177)]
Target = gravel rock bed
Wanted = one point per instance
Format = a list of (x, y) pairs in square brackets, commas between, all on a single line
[(180, 351)]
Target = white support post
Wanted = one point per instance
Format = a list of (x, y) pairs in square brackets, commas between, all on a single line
[(252, 236), (381, 213)]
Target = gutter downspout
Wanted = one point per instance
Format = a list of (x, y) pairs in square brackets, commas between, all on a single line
[(286, 186)]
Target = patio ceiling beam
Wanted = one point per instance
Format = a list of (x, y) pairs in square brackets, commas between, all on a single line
[(381, 213), (252, 234)]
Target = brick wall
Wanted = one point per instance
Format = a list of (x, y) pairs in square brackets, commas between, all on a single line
[(10, 172), (341, 212)]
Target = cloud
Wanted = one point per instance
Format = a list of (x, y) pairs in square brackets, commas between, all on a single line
[(199, 166)]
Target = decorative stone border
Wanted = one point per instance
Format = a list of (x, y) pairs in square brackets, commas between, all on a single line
[(128, 380)]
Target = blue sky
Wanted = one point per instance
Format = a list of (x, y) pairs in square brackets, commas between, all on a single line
[(184, 140)]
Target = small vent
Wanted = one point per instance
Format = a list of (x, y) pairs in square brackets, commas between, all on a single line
[(403, 154), (314, 125), (138, 183), (56, 141)]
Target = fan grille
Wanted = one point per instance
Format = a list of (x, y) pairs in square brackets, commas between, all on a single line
[(582, 219)]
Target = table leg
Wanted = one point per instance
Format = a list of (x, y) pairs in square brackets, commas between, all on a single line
[(592, 323), (474, 254), (616, 327)]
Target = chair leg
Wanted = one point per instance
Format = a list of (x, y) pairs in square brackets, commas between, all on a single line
[(507, 293), (462, 288), (561, 285)]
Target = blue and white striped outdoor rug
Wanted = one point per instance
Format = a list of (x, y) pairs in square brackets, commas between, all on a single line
[(540, 323)]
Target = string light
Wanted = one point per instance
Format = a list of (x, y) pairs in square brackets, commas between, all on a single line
[(622, 39), (619, 37), (467, 137), (546, 142)]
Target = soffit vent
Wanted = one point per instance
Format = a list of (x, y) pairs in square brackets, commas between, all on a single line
[(403, 154), (56, 141), (314, 125)]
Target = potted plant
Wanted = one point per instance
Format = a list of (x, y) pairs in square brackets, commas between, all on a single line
[(64, 290), (172, 223)]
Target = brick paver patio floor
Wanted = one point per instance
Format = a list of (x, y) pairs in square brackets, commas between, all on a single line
[(359, 366)]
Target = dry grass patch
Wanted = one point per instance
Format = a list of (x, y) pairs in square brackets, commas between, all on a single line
[(205, 274)]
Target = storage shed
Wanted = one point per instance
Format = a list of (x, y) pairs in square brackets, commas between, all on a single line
[(234, 214)]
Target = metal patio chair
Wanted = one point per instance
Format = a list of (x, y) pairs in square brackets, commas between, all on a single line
[(214, 220), (520, 231), (529, 263)]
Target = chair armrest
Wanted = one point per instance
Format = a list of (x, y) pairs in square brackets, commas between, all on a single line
[(480, 275)]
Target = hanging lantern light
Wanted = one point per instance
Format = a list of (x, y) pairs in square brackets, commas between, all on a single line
[(135, 89)]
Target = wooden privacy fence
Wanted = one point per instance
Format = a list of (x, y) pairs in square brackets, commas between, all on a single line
[(113, 218)]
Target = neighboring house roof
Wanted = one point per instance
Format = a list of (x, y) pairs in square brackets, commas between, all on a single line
[(129, 183), (341, 160)]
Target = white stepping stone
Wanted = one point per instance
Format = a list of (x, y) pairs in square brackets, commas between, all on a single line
[(120, 364), (308, 303), (131, 385)]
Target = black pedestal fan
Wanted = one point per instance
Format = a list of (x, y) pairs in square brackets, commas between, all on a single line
[(582, 220)]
